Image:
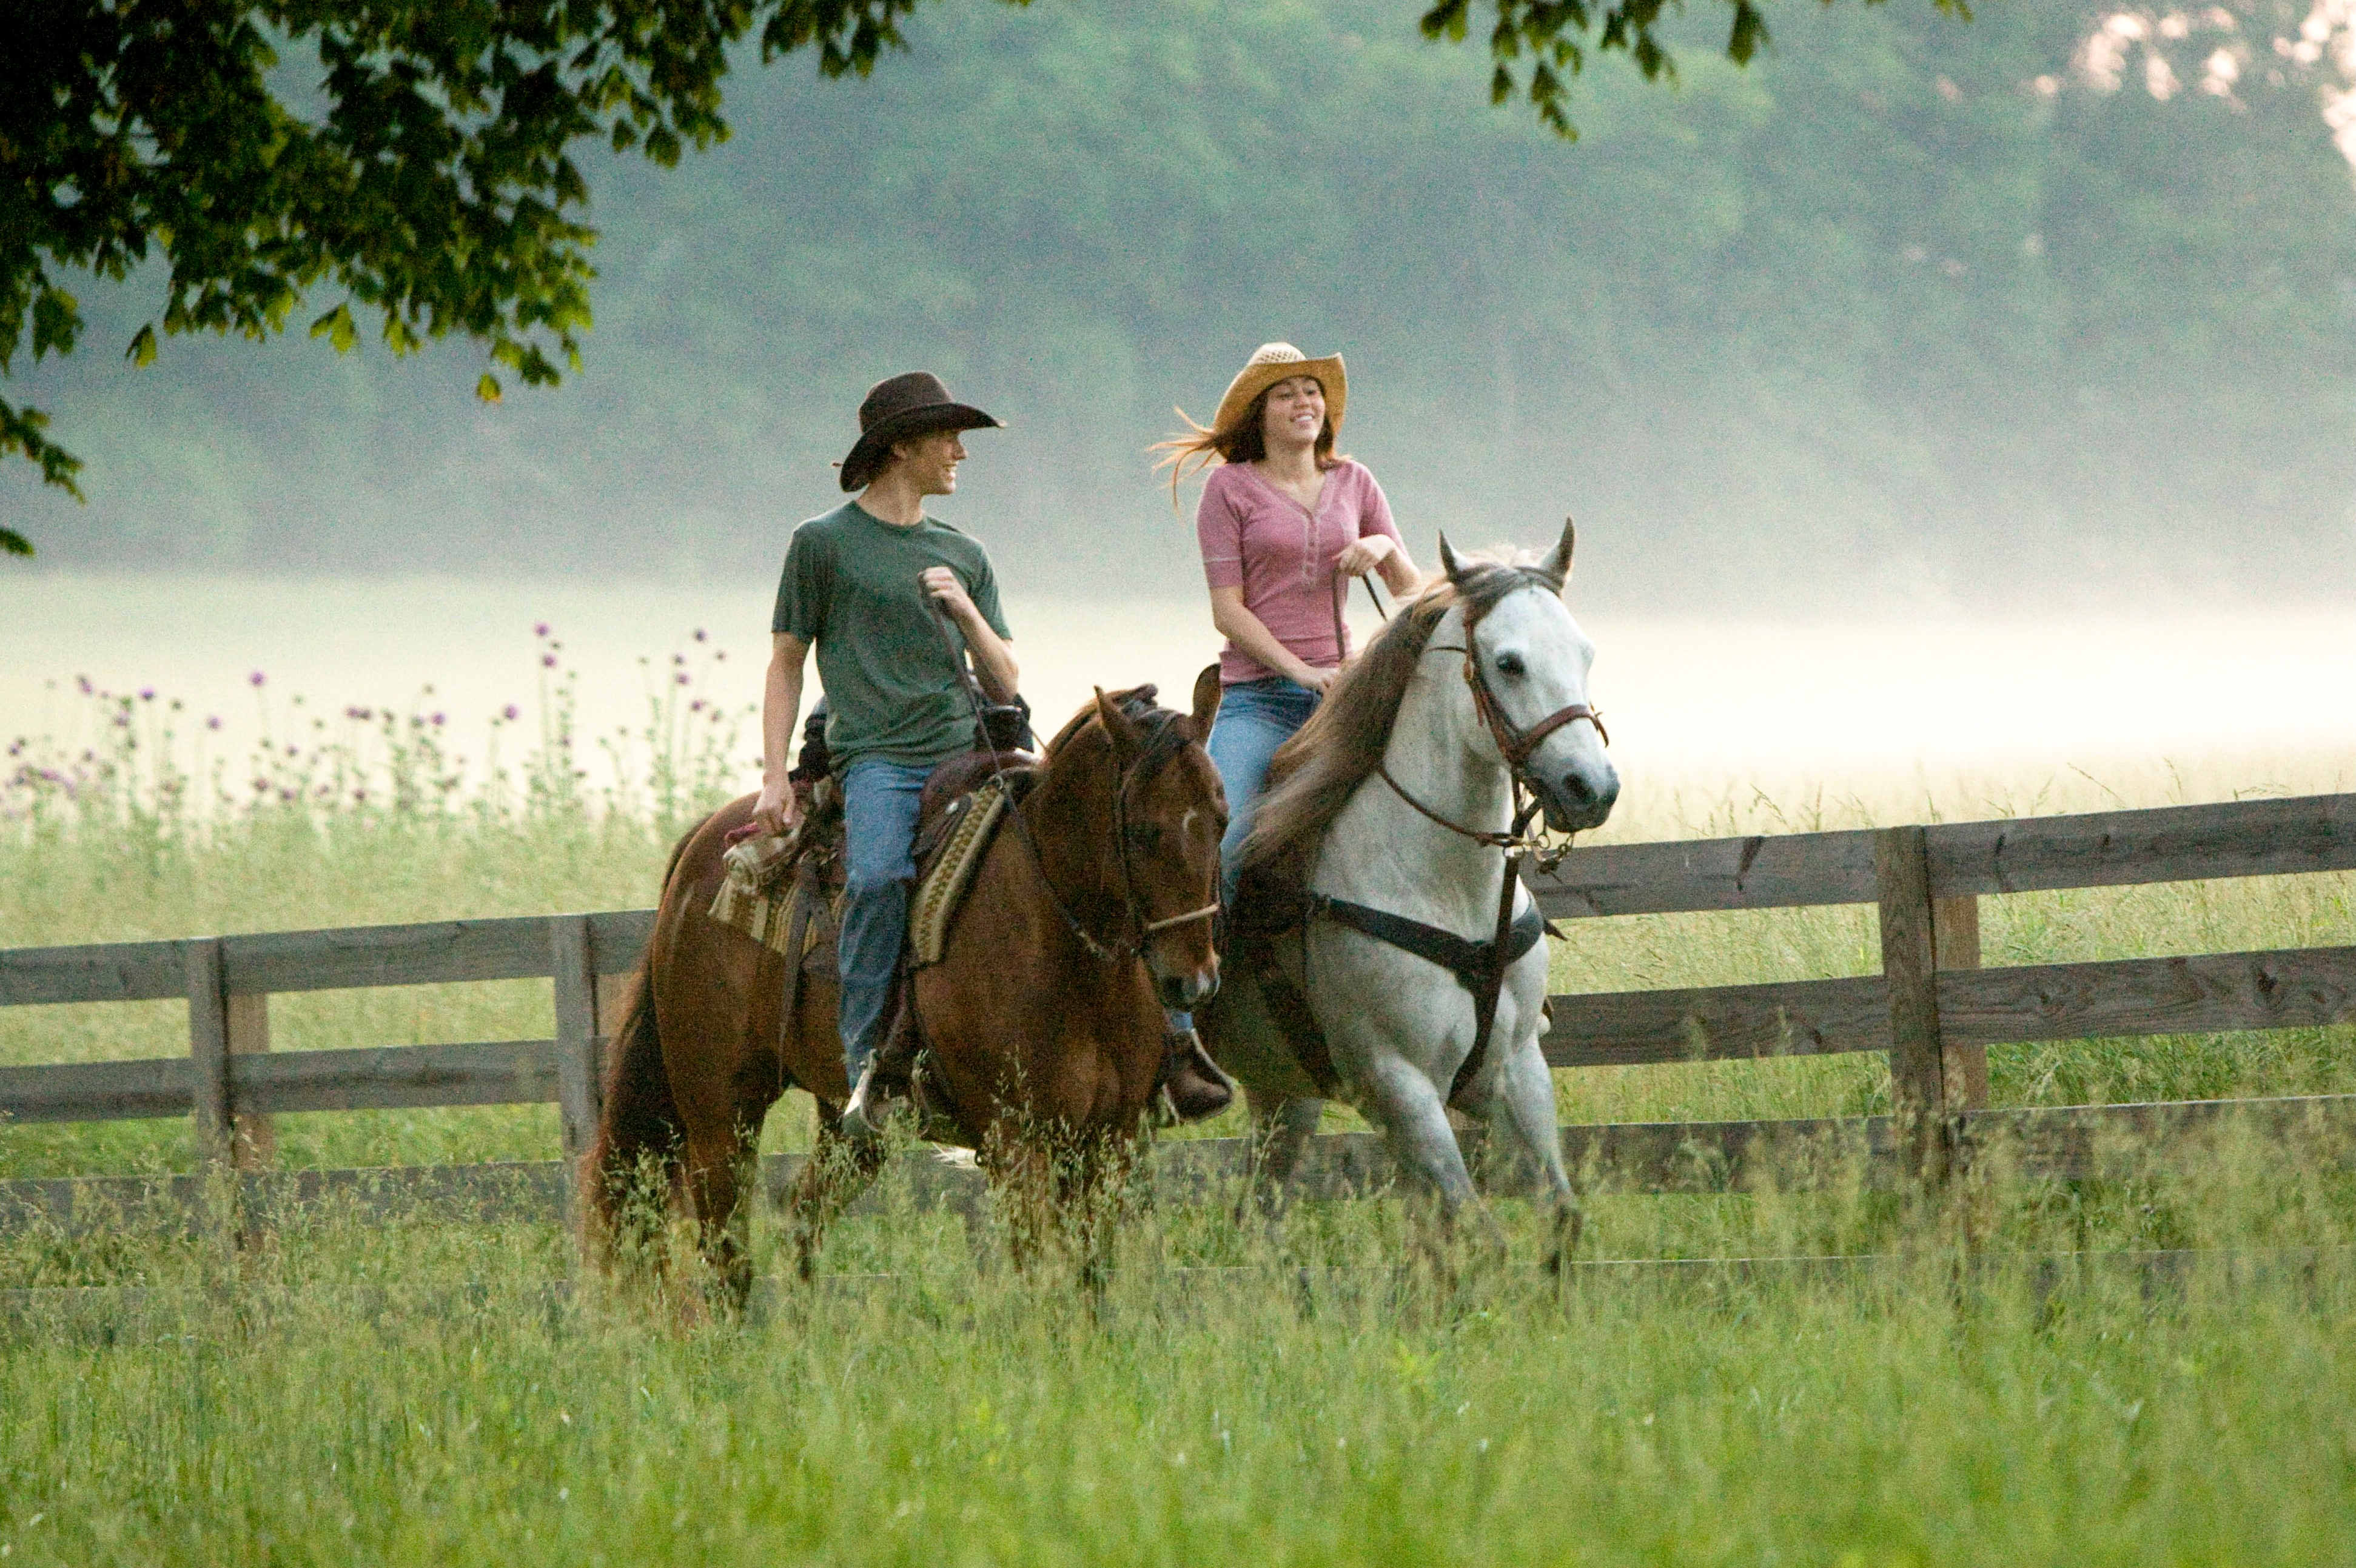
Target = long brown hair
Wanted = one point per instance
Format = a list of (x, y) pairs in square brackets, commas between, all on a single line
[(1315, 773), (1243, 440)]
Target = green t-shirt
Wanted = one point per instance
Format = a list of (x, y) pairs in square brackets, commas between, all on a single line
[(850, 589)]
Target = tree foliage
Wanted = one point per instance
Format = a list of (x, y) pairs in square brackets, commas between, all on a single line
[(415, 157)]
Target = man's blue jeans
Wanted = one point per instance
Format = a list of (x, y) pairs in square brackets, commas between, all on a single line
[(1255, 718), (879, 821)]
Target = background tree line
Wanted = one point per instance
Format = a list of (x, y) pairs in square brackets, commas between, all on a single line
[(1910, 307)]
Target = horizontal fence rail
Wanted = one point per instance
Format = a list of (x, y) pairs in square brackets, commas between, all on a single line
[(1933, 1011)]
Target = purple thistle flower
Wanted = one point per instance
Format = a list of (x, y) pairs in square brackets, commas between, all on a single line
[(437, 720), (212, 720), (511, 713), (146, 694), (254, 679), (701, 635), (696, 706), (541, 629), (680, 677), (679, 659), (83, 682), (548, 661)]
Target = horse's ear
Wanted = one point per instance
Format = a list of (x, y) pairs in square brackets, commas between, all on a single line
[(1128, 740), (1448, 561), (1206, 700), (1558, 566)]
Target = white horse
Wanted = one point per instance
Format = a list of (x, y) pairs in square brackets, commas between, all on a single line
[(1393, 800)]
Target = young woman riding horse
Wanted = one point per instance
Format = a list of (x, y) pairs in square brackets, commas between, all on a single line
[(1409, 972), (1284, 521)]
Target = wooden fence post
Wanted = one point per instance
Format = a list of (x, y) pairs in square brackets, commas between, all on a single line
[(576, 1034), (208, 1037), (1902, 876), (1956, 932), (254, 1142)]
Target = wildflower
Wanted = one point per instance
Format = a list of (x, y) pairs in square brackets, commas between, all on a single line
[(719, 653), (682, 678), (679, 659), (84, 681), (437, 720), (548, 661), (254, 679), (511, 713), (146, 694), (696, 706), (359, 794), (700, 633), (212, 720), (540, 629)]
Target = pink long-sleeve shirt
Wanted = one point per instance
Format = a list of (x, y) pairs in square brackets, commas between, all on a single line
[(1257, 538)]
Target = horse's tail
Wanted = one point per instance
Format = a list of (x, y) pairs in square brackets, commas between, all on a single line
[(638, 1128)]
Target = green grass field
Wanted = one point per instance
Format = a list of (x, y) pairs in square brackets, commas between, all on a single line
[(418, 1391)]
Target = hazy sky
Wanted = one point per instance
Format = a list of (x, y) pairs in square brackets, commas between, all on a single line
[(1913, 313)]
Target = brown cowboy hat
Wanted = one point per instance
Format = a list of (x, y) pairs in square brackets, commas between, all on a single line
[(1274, 362), (901, 407)]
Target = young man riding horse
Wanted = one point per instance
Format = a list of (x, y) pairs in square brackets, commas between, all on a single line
[(868, 585)]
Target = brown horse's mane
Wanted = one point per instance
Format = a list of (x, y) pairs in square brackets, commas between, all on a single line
[(1316, 772), (1141, 704)]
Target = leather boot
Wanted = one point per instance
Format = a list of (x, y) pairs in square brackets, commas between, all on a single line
[(885, 1084), (1192, 1085)]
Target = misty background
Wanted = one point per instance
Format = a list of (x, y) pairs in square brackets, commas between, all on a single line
[(1911, 313)]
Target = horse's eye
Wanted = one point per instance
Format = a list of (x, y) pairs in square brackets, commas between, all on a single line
[(1511, 665)]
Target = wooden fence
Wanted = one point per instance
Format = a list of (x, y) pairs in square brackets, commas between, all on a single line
[(1933, 1009)]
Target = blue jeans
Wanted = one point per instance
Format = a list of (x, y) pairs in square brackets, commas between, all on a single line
[(1255, 718), (879, 823)]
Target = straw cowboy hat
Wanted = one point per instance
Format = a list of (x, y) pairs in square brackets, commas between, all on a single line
[(1274, 362), (906, 406)]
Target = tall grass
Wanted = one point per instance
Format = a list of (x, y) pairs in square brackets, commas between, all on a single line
[(413, 1392)]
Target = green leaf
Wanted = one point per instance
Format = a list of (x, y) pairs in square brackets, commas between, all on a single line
[(14, 543), (143, 345), (336, 327), (487, 389)]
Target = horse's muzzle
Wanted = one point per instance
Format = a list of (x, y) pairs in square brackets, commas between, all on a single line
[(1580, 798), (1180, 992)]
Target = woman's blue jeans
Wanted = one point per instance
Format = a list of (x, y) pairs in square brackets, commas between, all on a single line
[(1255, 718)]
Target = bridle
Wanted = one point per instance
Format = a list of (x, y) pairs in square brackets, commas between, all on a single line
[(1515, 744), (1158, 749)]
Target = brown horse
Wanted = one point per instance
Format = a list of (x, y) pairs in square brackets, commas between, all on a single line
[(1044, 1018)]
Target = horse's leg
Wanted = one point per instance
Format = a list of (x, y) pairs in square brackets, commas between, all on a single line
[(839, 1169), (1414, 1119), (1522, 1104), (1022, 1174), (1280, 1130), (718, 1161)]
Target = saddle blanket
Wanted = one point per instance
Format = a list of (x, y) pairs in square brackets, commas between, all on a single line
[(756, 896), (944, 881)]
